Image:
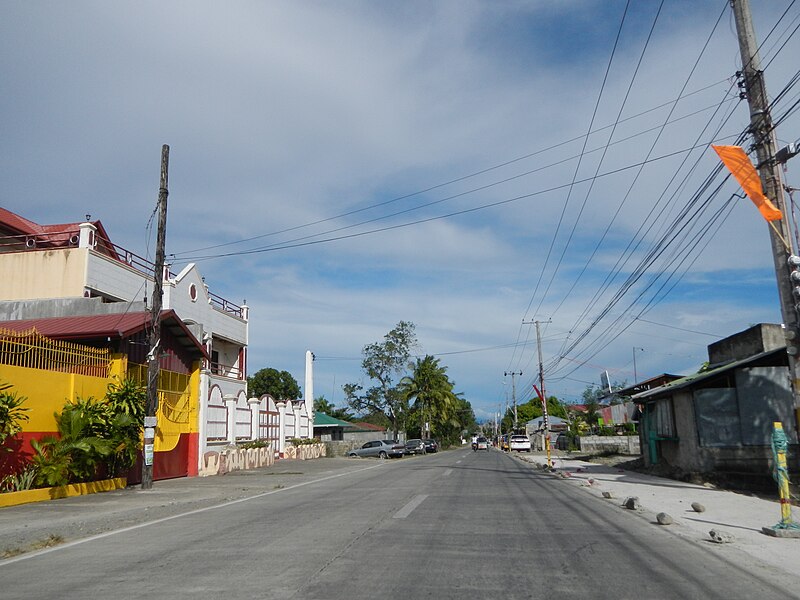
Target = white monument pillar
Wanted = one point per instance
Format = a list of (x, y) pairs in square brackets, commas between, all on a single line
[(309, 392)]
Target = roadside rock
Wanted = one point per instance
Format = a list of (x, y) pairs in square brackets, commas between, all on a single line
[(721, 537), (632, 503), (608, 495), (663, 519), (697, 507)]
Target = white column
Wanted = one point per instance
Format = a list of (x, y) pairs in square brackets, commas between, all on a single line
[(255, 405), (88, 235), (202, 416), (297, 421), (281, 406), (230, 406)]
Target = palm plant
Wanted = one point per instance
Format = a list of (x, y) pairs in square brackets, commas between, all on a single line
[(431, 390), (95, 437), (72, 456), (12, 414)]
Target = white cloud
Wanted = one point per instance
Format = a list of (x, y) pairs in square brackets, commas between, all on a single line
[(281, 114)]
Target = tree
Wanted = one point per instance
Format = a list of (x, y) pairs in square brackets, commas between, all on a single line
[(383, 363), (321, 405), (278, 384), (432, 391), (532, 409)]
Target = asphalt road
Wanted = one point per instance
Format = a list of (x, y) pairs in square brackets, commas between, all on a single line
[(452, 525)]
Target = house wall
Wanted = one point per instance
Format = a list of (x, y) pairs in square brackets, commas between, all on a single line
[(43, 274), (687, 454), (197, 306), (114, 279), (755, 340)]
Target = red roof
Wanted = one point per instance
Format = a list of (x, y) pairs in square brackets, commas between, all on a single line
[(370, 426), (55, 234), (105, 326)]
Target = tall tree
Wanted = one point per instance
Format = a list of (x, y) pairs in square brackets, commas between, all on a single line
[(383, 363), (278, 384), (432, 392), (321, 405)]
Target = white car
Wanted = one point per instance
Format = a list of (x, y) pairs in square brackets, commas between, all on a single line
[(520, 443)]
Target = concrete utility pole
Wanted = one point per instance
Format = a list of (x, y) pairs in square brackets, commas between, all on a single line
[(764, 143), (155, 331), (541, 391), (514, 394)]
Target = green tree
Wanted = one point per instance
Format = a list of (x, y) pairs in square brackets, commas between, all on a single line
[(278, 384), (432, 392), (321, 405), (383, 363), (532, 409)]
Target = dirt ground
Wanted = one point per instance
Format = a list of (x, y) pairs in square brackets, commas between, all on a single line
[(764, 489)]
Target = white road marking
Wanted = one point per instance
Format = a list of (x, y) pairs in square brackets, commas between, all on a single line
[(196, 511), (409, 508), (446, 473)]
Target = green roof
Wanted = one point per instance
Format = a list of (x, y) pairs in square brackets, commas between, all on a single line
[(323, 420)]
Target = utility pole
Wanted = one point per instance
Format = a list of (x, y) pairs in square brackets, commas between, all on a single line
[(514, 395), (635, 375), (541, 391), (764, 142), (155, 323)]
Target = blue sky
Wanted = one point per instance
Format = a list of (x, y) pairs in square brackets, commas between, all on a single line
[(449, 136)]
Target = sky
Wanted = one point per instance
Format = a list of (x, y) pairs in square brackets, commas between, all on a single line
[(470, 166)]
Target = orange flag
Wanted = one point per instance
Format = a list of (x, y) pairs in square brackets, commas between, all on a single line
[(745, 173)]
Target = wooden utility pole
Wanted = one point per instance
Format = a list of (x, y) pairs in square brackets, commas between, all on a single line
[(764, 143), (155, 324)]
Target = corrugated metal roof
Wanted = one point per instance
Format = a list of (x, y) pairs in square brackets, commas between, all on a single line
[(105, 326), (112, 325), (695, 378), (324, 420)]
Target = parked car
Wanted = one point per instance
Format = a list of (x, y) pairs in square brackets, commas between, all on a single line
[(415, 446), (381, 449), (431, 445), (520, 443)]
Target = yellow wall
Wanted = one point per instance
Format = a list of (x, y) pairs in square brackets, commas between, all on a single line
[(43, 274), (47, 391)]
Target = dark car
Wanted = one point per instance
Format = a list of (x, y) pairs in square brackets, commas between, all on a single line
[(431, 445), (415, 446), (380, 448)]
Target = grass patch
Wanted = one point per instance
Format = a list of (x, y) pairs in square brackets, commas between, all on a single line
[(50, 541)]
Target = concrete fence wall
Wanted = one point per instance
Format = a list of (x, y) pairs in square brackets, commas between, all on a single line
[(621, 444), (342, 447)]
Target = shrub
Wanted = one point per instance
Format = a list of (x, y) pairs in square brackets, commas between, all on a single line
[(12, 414), (304, 441), (255, 444), (94, 437)]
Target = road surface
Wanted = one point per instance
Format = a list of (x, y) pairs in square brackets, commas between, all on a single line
[(457, 524)]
